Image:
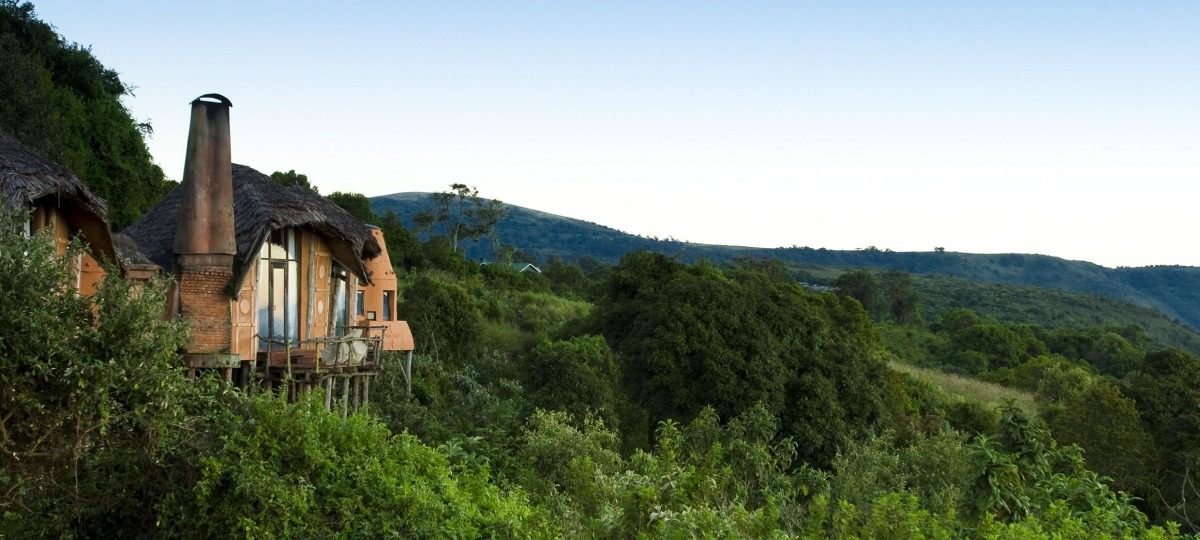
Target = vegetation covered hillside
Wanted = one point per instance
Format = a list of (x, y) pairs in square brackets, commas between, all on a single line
[(1172, 290), (1050, 308), (654, 399)]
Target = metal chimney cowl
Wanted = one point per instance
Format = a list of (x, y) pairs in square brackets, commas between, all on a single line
[(205, 233)]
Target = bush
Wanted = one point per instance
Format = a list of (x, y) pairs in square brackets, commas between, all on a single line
[(89, 386), (578, 376), (297, 470), (444, 318)]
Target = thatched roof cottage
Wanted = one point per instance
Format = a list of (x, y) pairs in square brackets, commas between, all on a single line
[(266, 274), (56, 198)]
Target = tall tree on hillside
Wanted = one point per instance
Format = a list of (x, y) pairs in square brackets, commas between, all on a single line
[(903, 303), (463, 214), (61, 101)]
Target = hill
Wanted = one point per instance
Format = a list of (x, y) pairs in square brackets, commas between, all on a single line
[(1049, 308), (1173, 290)]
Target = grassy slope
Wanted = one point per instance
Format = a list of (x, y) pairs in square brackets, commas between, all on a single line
[(969, 388)]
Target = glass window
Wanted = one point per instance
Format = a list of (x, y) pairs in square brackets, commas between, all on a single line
[(339, 286), (278, 290), (388, 298), (359, 303)]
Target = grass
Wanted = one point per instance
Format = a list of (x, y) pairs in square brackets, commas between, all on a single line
[(968, 388)]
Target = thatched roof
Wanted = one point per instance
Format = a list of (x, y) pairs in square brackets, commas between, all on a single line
[(128, 251), (27, 179), (261, 205)]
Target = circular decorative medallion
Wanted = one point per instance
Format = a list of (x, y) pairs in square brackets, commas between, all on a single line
[(244, 306), (320, 307)]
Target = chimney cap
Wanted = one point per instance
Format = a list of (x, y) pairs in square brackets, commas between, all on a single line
[(217, 97)]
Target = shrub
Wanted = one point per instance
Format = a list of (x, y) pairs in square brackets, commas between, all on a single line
[(297, 470), (88, 385)]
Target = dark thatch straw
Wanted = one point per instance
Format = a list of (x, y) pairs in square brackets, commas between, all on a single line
[(261, 205), (128, 252), (27, 180)]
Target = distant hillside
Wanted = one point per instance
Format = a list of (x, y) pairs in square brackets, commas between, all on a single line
[(1173, 290), (1049, 308)]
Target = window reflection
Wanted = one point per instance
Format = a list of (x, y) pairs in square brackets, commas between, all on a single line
[(339, 287), (278, 291)]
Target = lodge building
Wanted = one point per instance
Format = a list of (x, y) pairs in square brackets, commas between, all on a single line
[(281, 288)]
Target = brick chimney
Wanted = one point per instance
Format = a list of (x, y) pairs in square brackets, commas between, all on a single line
[(205, 244)]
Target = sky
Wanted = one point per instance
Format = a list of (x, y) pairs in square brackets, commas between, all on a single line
[(1067, 128)]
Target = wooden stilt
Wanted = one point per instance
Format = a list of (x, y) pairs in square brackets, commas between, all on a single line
[(328, 382), (366, 390), (345, 396), (408, 374)]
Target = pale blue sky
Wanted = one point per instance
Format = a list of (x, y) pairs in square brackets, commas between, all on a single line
[(1065, 128)]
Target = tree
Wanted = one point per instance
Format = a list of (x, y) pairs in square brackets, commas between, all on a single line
[(1022, 471), (463, 215), (1167, 392), (903, 303), (292, 178), (1106, 425), (691, 336), (404, 248), (357, 205), (579, 376), (773, 268), (862, 286), (62, 102), (446, 322)]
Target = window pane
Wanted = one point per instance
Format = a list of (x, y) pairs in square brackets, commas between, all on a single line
[(293, 302), (387, 305), (264, 300), (278, 291), (339, 286)]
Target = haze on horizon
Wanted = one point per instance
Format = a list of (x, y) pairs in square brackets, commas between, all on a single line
[(1068, 128)]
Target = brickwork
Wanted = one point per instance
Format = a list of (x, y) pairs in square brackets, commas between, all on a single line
[(204, 303)]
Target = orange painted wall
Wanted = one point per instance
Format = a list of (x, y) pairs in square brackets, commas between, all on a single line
[(315, 298), (397, 337)]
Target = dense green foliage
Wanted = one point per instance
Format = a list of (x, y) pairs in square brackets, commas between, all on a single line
[(293, 178), (295, 470), (59, 100), (1167, 393), (518, 432), (86, 383), (1050, 309), (691, 336), (103, 436)]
